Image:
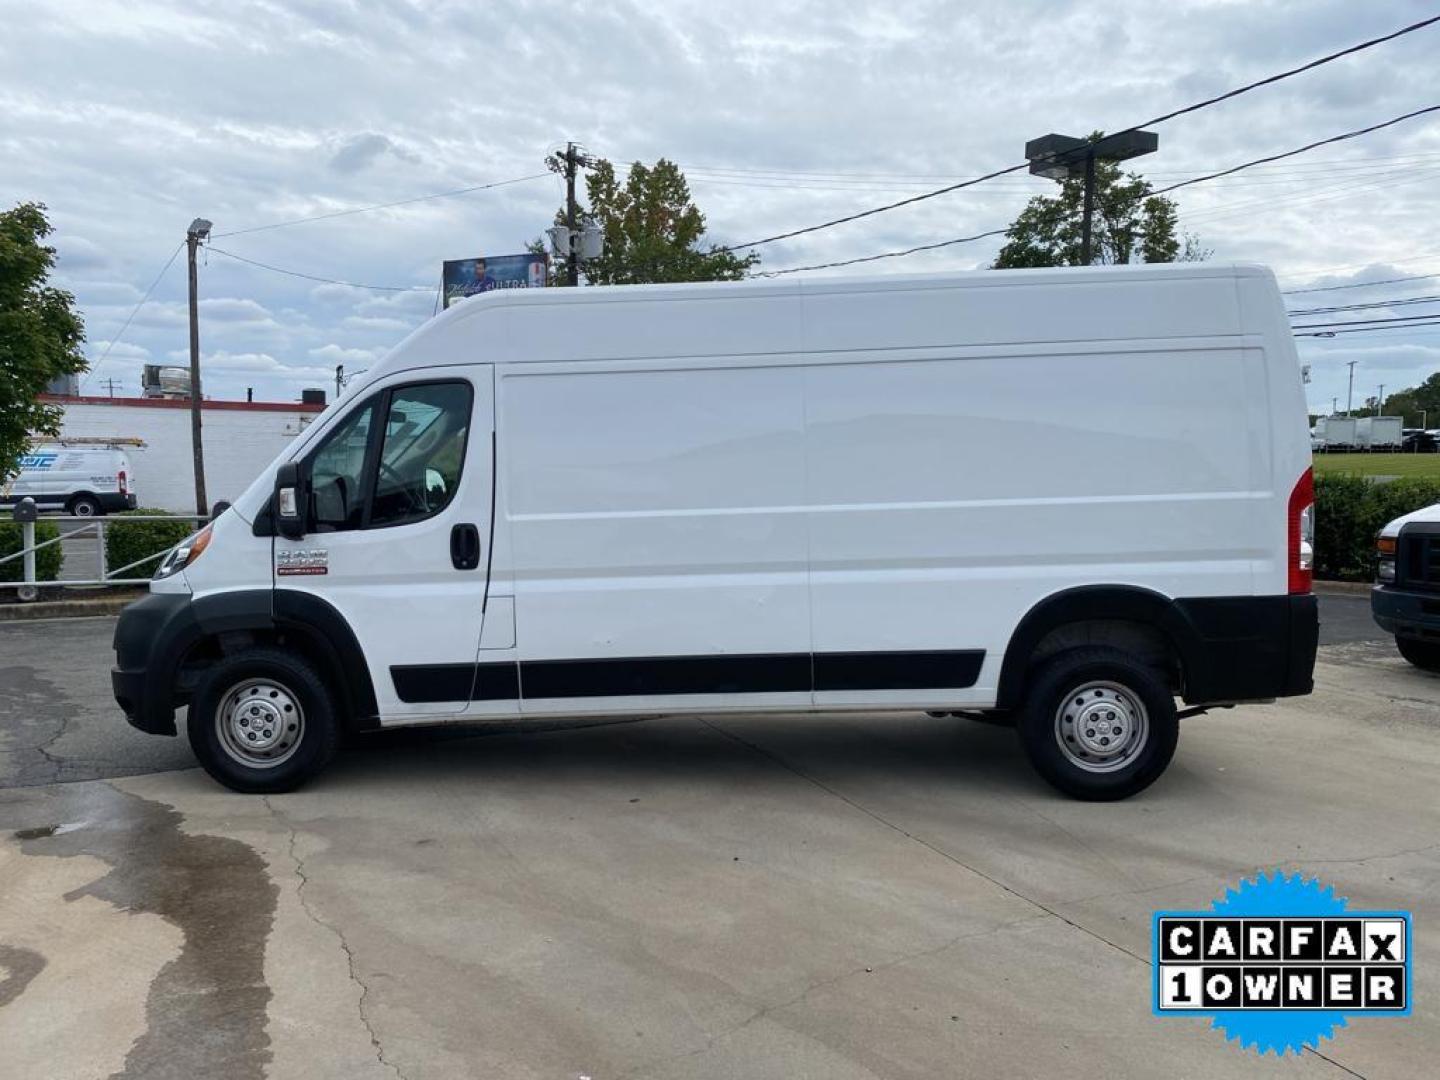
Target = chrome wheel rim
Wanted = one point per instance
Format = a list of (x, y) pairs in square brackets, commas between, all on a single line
[(84, 509), (1101, 727), (260, 723)]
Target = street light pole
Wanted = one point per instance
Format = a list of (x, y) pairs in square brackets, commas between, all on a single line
[(199, 230), (1060, 157), (1089, 213), (1350, 391)]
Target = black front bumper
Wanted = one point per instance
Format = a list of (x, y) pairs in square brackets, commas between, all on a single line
[(1406, 613), (150, 639)]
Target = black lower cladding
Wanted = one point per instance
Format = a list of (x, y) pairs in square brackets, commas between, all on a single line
[(659, 676), (1245, 648), (154, 635)]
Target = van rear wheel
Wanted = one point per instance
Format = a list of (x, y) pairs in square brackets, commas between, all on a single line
[(1097, 724), (263, 721), (84, 506)]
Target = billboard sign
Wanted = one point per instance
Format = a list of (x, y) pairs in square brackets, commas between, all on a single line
[(464, 278)]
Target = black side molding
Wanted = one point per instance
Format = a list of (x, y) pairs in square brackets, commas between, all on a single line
[(646, 676)]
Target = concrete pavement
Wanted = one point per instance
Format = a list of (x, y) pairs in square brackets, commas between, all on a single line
[(737, 896)]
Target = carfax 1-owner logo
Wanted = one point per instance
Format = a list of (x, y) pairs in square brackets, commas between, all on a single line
[(1280, 963)]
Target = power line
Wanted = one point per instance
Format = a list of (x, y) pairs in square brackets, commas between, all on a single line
[(1404, 302), (1206, 103), (1161, 191), (1301, 149), (313, 277), (382, 206), (1415, 320), (115, 337), (1361, 284), (1369, 329), (883, 255), (1337, 165)]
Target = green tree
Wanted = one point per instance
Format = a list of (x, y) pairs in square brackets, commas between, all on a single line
[(1129, 224), (654, 232), (1416, 403), (40, 333)]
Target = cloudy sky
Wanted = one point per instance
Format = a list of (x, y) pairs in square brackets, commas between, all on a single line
[(130, 119)]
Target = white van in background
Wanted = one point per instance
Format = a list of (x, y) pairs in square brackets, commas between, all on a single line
[(79, 478), (998, 491)]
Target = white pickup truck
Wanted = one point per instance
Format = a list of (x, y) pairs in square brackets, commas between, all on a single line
[(1406, 597)]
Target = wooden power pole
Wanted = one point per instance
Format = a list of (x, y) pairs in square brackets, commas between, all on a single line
[(198, 231)]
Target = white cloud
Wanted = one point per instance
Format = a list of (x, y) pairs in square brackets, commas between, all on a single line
[(130, 120), (336, 354), (233, 309)]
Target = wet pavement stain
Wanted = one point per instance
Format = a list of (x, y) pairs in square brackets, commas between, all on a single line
[(19, 966), (206, 1010)]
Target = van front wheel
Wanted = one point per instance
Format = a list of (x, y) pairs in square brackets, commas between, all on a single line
[(1097, 724), (263, 721)]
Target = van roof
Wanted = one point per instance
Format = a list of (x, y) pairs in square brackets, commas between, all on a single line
[(579, 324), (761, 286)]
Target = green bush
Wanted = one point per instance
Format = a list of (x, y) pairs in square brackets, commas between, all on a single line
[(128, 539), (47, 560), (1350, 510)]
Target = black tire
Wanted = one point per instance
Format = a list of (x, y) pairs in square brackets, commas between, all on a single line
[(258, 672), (1135, 692), (85, 506), (1423, 654)]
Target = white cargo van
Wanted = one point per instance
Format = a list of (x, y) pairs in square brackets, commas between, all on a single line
[(83, 479), (995, 491)]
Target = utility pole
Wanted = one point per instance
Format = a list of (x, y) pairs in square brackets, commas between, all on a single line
[(199, 230), (1380, 402), (572, 166), (575, 242), (1334, 405), (1350, 393)]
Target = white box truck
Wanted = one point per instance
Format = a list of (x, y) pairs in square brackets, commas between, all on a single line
[(1379, 432), (84, 478), (1339, 432), (769, 497)]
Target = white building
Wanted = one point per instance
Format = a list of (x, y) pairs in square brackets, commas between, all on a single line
[(240, 438)]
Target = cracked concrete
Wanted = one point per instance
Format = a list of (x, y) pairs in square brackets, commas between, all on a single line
[(848, 896), (339, 938)]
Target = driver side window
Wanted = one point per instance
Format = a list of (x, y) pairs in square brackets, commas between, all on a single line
[(406, 471), (337, 474)]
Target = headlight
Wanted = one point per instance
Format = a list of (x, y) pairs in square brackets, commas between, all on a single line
[(184, 553), (1385, 558)]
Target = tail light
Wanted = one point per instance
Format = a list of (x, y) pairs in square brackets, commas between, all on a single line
[(123, 489), (1300, 522)]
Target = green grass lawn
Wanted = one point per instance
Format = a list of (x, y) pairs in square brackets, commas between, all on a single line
[(1378, 464)]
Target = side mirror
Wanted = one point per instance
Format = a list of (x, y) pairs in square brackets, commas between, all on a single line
[(290, 501)]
